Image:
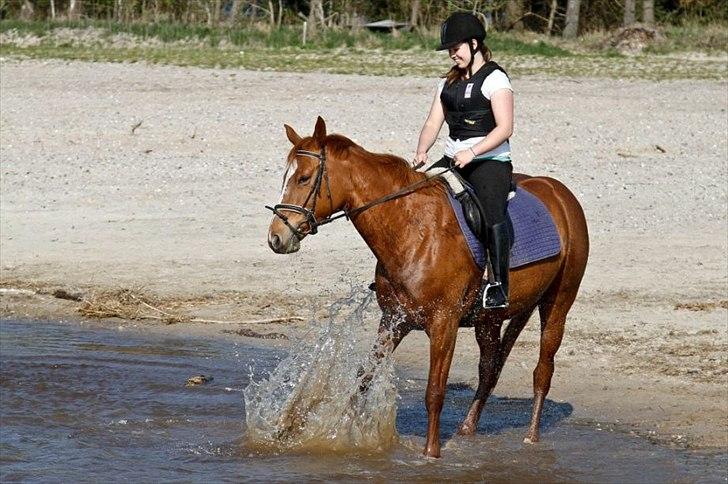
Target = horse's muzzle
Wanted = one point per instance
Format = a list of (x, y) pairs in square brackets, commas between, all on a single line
[(283, 241)]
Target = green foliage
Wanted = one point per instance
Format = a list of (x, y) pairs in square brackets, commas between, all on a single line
[(261, 35), (389, 63), (503, 43)]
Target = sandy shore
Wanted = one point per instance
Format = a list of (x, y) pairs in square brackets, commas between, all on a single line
[(175, 207)]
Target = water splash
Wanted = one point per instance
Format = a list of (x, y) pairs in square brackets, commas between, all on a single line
[(312, 399)]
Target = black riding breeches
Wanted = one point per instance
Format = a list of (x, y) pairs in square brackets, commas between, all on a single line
[(491, 180)]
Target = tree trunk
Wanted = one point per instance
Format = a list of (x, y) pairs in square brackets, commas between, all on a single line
[(53, 9), (74, 9), (234, 9), (552, 16), (629, 17), (571, 29), (514, 13), (648, 11), (315, 16), (27, 11), (216, 12), (415, 13)]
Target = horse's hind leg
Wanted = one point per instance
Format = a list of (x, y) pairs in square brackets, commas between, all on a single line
[(553, 312), (494, 351), (514, 328), (487, 334)]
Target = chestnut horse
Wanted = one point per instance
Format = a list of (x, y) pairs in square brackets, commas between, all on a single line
[(426, 278)]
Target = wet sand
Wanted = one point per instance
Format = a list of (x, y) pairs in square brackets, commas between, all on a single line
[(174, 208)]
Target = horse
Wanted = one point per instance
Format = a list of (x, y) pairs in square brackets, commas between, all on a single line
[(425, 276)]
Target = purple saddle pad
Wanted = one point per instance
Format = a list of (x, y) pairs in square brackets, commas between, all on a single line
[(534, 233)]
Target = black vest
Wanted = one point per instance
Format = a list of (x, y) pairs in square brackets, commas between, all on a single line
[(467, 111)]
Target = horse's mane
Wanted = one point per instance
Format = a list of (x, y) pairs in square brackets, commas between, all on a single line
[(400, 170)]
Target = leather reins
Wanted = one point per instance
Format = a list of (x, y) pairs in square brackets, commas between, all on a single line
[(321, 175)]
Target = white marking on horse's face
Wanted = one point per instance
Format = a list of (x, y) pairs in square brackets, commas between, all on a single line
[(289, 174)]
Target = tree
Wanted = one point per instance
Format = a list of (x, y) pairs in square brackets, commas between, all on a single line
[(315, 16), (552, 17), (234, 9), (648, 11), (27, 10), (415, 13), (629, 15), (74, 9), (572, 19), (514, 14)]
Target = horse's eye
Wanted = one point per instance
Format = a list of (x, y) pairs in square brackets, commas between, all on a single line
[(304, 179)]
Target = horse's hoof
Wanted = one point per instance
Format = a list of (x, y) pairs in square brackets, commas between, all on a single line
[(530, 439), (466, 430), (432, 453)]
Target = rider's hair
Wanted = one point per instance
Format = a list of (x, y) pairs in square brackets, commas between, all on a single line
[(457, 74)]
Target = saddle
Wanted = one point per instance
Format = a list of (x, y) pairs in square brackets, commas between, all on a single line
[(464, 193), (533, 233)]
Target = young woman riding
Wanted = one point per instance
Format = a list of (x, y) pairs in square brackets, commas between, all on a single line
[(475, 98)]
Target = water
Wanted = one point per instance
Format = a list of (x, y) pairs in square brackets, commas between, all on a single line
[(312, 398), (81, 404)]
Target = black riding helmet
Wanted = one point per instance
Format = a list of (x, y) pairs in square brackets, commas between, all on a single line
[(460, 27)]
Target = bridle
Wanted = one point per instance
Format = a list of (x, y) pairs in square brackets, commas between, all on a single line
[(321, 176), (309, 214)]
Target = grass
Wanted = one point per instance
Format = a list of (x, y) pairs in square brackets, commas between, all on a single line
[(691, 36), (262, 36), (342, 52)]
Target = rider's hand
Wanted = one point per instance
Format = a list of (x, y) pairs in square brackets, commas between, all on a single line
[(463, 157), (419, 159)]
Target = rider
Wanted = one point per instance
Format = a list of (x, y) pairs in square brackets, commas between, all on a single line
[(475, 98)]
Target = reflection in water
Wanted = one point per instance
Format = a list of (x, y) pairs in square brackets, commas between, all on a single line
[(81, 404)]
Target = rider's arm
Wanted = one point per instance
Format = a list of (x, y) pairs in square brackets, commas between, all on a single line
[(501, 102), (430, 129)]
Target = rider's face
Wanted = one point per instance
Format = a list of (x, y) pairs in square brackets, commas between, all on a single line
[(460, 54)]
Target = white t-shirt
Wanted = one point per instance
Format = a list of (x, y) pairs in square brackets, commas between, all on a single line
[(495, 81)]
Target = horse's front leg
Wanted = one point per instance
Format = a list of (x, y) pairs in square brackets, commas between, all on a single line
[(392, 329), (442, 345)]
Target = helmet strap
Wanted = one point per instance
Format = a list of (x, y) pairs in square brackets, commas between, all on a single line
[(472, 58)]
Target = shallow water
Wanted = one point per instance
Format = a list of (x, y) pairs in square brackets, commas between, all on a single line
[(87, 404)]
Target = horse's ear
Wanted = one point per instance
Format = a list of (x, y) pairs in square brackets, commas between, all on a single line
[(319, 132), (292, 135)]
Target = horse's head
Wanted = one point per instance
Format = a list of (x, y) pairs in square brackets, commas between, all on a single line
[(313, 188)]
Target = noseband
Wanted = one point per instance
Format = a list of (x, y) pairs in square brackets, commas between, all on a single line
[(321, 175)]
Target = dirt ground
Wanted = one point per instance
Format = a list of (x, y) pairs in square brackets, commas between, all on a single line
[(154, 178)]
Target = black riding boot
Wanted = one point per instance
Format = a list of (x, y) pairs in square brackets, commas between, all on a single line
[(495, 294)]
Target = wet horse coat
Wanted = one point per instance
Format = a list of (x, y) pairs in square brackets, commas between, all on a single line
[(425, 276)]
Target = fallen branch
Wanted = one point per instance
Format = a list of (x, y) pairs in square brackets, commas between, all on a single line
[(13, 290), (285, 319)]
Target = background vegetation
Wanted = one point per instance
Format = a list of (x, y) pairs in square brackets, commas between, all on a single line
[(530, 36), (549, 16)]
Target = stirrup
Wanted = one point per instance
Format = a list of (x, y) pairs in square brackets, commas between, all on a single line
[(497, 301)]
